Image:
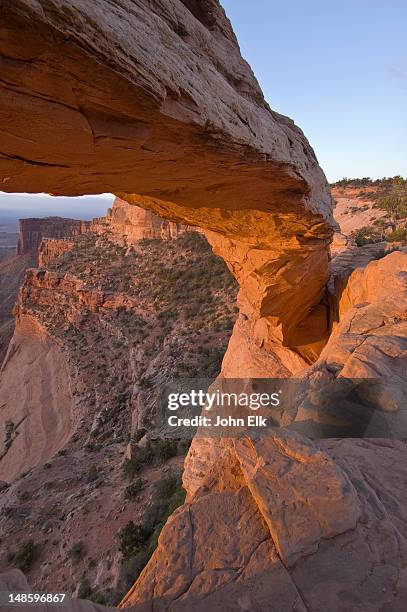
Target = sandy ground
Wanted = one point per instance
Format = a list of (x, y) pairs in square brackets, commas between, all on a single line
[(353, 212)]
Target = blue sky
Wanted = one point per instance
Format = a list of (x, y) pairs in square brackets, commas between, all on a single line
[(339, 69), (14, 206)]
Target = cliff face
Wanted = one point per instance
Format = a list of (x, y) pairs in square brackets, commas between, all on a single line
[(132, 223), (32, 231), (12, 270), (161, 109), (78, 408)]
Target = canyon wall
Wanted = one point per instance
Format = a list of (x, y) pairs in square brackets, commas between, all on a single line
[(36, 399), (131, 223), (12, 271), (79, 399), (33, 230), (155, 103), (185, 125)]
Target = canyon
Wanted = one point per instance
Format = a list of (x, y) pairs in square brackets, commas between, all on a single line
[(127, 224), (98, 329), (172, 120)]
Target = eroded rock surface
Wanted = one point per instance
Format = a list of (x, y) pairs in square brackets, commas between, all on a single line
[(32, 231), (155, 100), (332, 509), (130, 224), (174, 113), (358, 567)]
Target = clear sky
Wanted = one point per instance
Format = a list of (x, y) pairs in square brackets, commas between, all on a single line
[(339, 69), (14, 206)]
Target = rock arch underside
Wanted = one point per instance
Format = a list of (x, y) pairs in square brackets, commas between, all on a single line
[(152, 101)]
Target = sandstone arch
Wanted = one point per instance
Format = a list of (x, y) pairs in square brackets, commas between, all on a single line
[(155, 100), (152, 101)]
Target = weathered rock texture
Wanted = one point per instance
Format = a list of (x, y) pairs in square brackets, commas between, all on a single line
[(302, 525), (52, 248), (130, 224), (12, 270), (32, 231), (154, 99), (171, 112)]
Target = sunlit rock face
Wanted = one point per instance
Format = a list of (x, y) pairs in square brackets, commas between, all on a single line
[(171, 112), (153, 102), (129, 224)]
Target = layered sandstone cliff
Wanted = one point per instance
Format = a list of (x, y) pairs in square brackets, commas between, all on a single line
[(99, 328), (33, 230), (131, 224), (12, 271), (160, 108)]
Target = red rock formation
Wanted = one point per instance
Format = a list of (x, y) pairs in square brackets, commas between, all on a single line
[(155, 99), (12, 271), (32, 231), (44, 413), (190, 130), (131, 223), (52, 248)]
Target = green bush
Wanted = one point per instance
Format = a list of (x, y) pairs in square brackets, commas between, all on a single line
[(77, 551), (92, 474), (26, 556), (397, 235), (138, 434), (164, 449), (84, 590), (132, 466), (132, 539), (98, 598), (167, 485), (177, 499), (134, 489), (366, 235)]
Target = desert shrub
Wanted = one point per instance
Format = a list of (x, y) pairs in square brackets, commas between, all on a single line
[(164, 449), (397, 235), (26, 556), (366, 235), (167, 485), (133, 489), (98, 598), (24, 496), (84, 590), (138, 434), (145, 383), (132, 539), (77, 551), (92, 474), (177, 499), (132, 466)]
